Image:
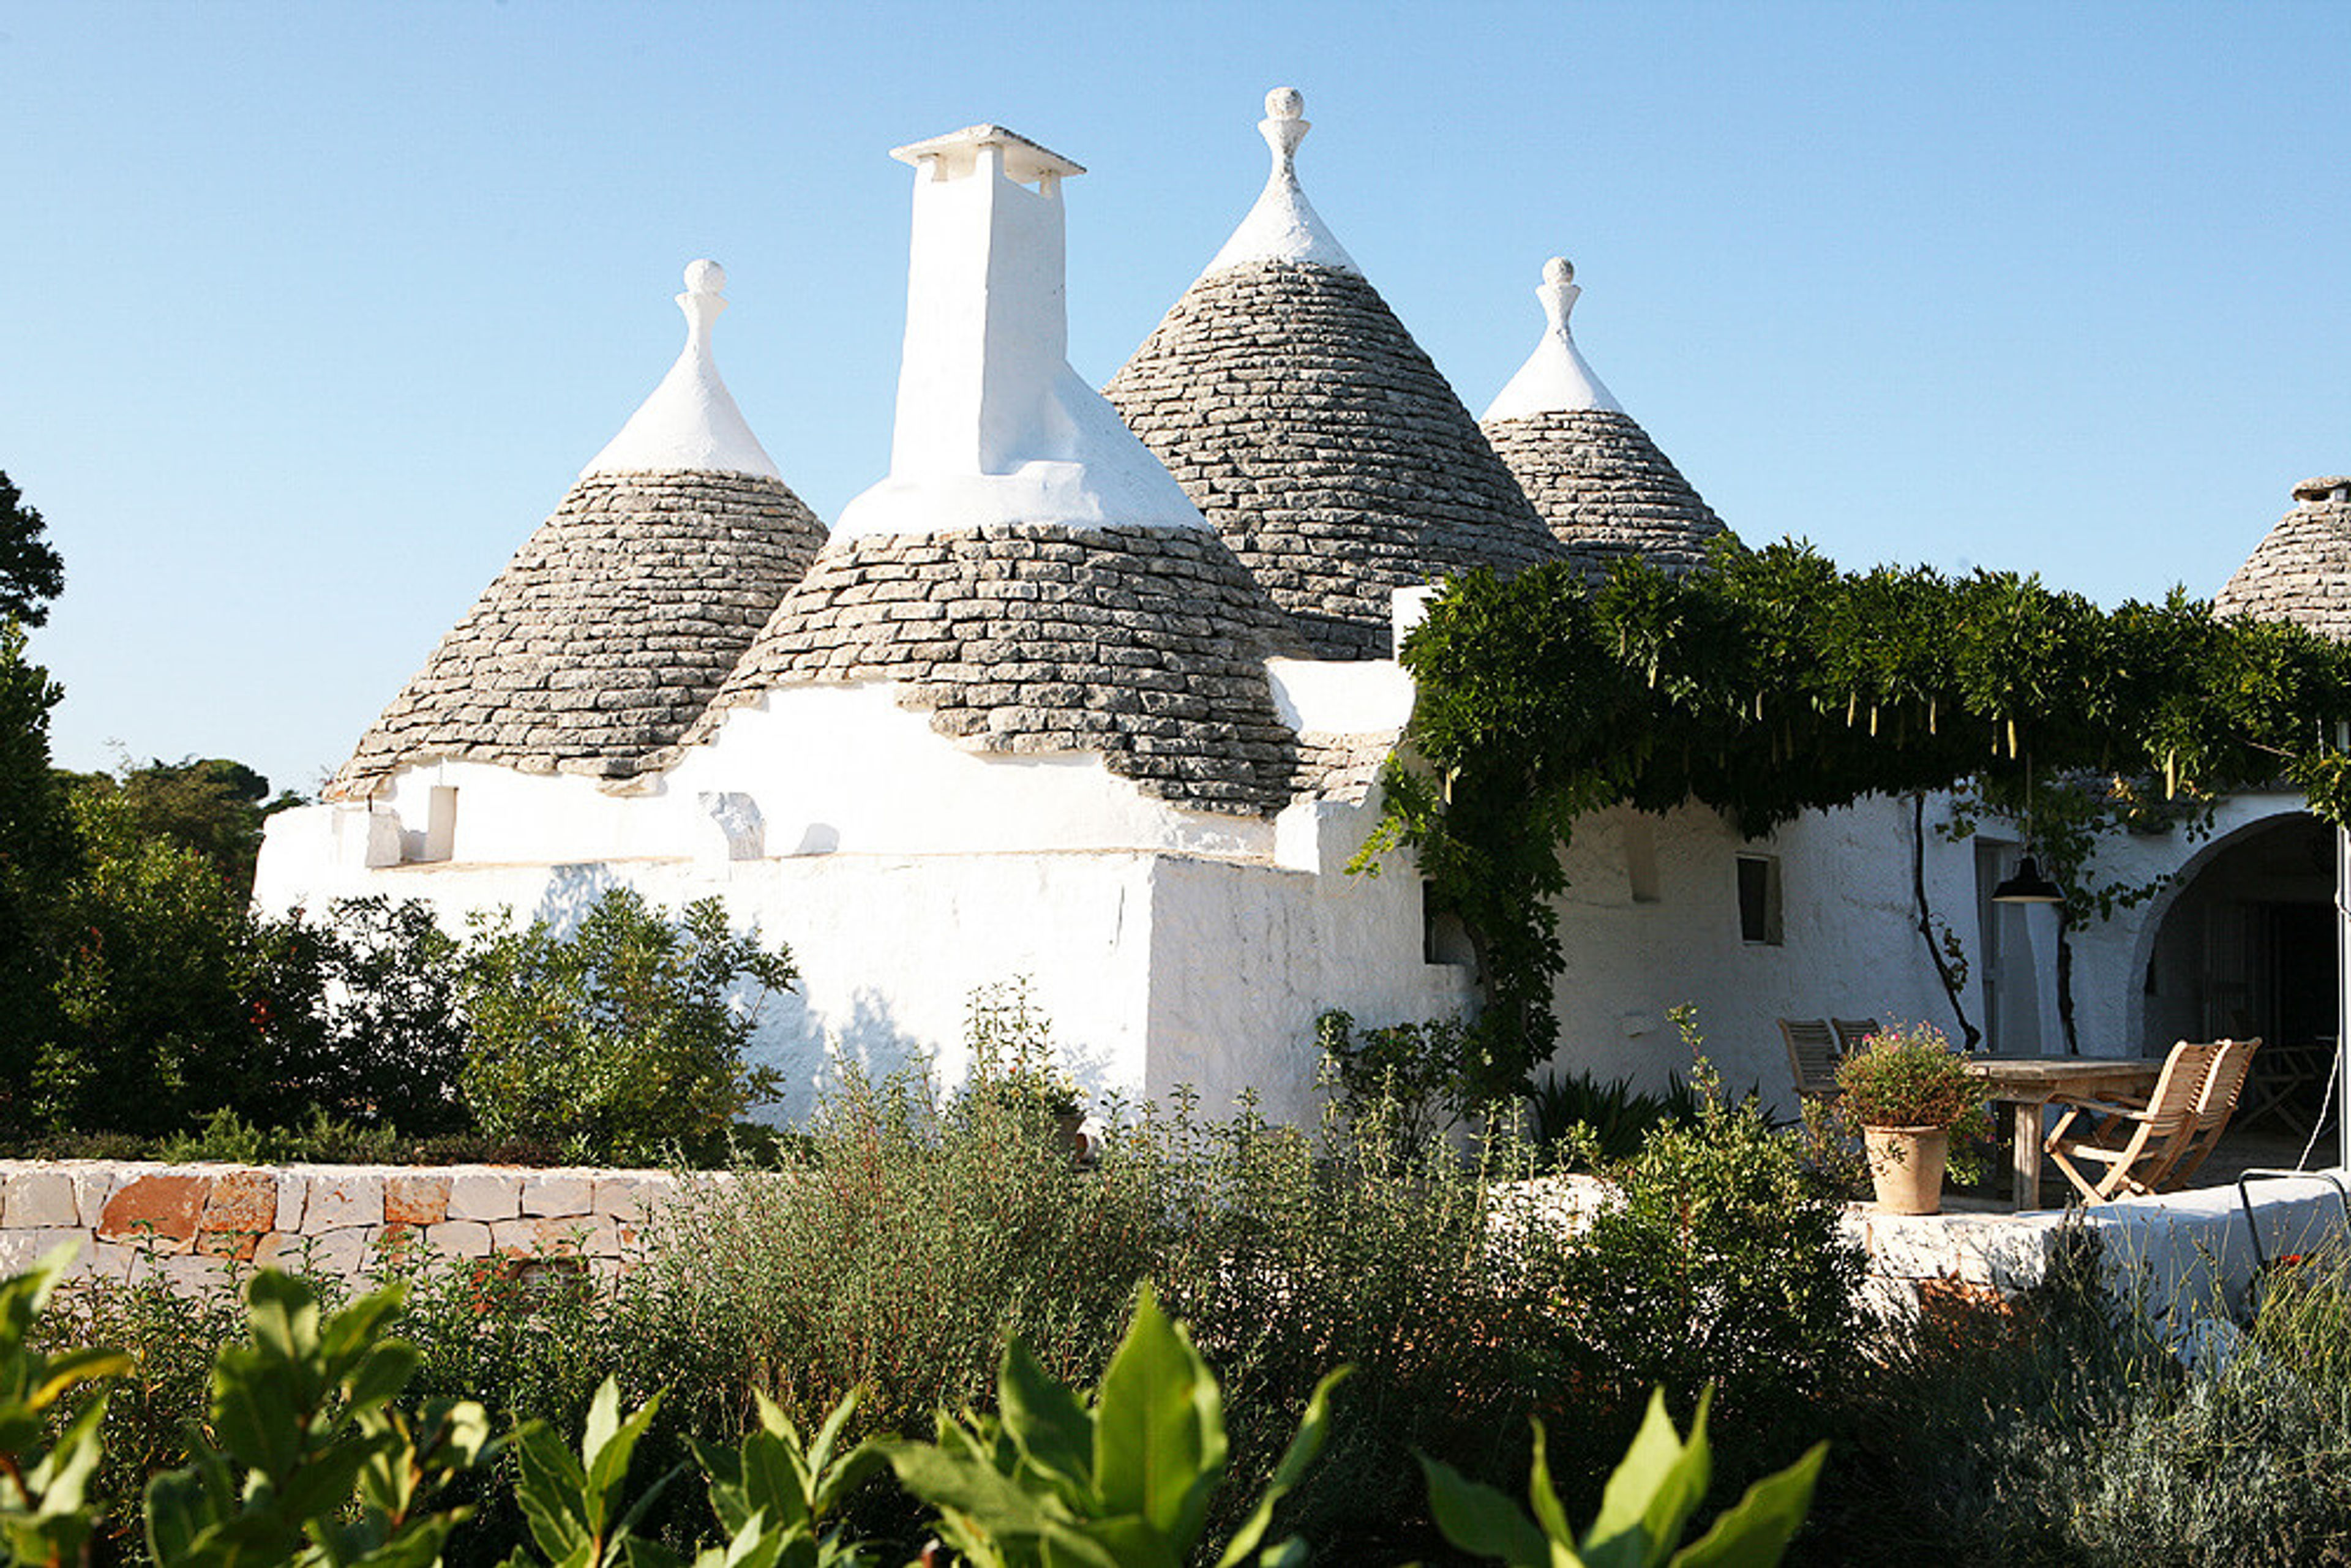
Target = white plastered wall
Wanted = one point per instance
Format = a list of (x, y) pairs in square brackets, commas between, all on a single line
[(2111, 958), (1168, 947), (1850, 943)]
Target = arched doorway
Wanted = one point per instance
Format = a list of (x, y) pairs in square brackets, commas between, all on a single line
[(2247, 947)]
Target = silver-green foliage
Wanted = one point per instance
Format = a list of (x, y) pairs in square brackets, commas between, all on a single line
[(1122, 1481)]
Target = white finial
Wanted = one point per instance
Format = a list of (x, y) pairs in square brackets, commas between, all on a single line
[(1555, 378), (690, 423), (1283, 225)]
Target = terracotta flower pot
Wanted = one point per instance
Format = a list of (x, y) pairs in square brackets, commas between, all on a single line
[(1906, 1165)]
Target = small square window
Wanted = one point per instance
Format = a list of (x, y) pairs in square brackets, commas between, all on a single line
[(1759, 900)]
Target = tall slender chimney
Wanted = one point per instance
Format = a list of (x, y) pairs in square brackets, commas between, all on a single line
[(993, 425)]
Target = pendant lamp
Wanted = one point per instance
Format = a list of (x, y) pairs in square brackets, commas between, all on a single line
[(2027, 886)]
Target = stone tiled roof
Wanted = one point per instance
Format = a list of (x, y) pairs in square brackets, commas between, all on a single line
[(2301, 571), (1604, 489), (1145, 646), (1301, 418), (606, 633), (1343, 767)]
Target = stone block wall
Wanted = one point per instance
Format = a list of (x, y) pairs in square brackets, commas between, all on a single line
[(189, 1221)]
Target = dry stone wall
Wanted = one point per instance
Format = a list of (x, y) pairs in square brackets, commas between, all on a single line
[(188, 1222)]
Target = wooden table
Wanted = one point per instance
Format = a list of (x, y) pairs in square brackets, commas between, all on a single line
[(2030, 1082)]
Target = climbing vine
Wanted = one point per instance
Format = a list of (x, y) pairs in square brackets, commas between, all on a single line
[(1774, 684)]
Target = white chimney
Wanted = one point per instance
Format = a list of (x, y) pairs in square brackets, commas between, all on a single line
[(993, 425)]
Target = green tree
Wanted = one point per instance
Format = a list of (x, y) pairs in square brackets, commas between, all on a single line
[(38, 856), (31, 572), (622, 1039), (212, 806), (154, 1027), (357, 1018)]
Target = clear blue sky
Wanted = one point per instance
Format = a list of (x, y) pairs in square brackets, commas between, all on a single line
[(309, 314)]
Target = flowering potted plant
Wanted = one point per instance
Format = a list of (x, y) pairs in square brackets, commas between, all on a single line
[(1908, 1092)]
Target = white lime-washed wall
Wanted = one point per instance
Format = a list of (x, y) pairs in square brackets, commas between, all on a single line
[(1167, 946), (1650, 920), (2111, 1005)]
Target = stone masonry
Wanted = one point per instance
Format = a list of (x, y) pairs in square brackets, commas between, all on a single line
[(608, 632), (1301, 418), (190, 1223), (2301, 571), (1605, 491), (1146, 645)]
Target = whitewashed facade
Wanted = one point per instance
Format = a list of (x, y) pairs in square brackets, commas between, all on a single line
[(1150, 809)]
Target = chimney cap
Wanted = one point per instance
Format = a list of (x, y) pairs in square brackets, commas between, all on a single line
[(957, 151)]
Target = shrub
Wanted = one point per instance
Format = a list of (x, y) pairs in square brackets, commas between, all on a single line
[(1418, 1075), (1619, 1118), (908, 1242), (1723, 1261), (358, 1015), (1013, 1057), (1971, 1431), (897, 1252), (623, 1041)]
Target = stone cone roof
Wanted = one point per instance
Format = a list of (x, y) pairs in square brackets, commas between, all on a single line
[(1304, 422), (1604, 489), (1146, 645), (606, 634), (2301, 571)]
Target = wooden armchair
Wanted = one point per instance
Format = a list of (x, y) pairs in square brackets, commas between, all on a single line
[(2137, 1144), (1851, 1032), (2214, 1106), (1812, 1057)]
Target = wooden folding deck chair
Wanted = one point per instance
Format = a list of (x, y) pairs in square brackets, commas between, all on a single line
[(1812, 1057), (2139, 1144), (1851, 1032), (2214, 1106)]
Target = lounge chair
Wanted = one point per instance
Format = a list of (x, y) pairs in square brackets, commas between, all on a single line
[(1812, 1057), (2214, 1106), (2137, 1144)]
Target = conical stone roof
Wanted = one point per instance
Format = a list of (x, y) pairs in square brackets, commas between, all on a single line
[(1028, 573), (621, 616), (1146, 645), (1301, 418), (1597, 479), (2301, 571)]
